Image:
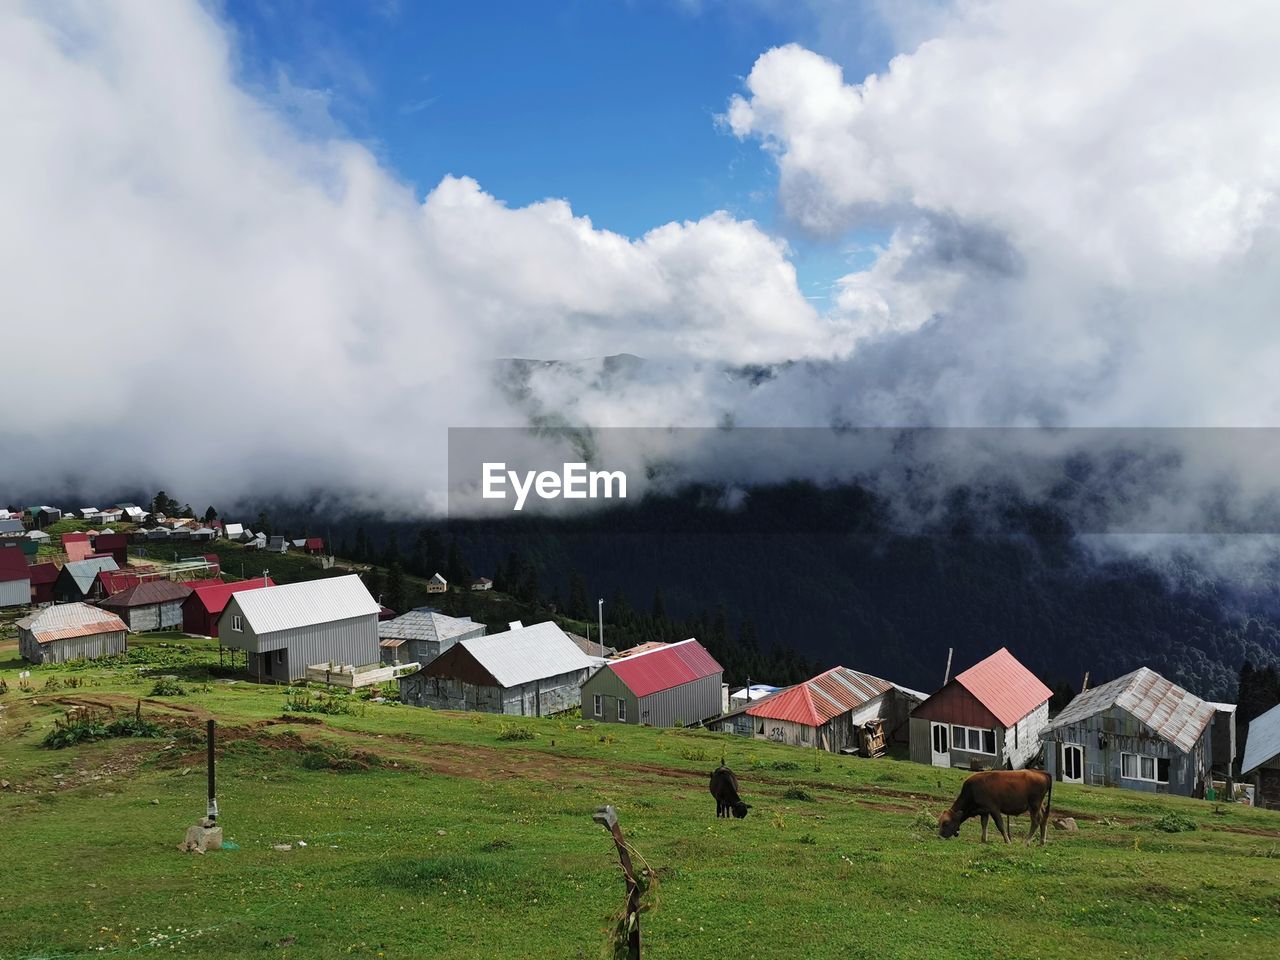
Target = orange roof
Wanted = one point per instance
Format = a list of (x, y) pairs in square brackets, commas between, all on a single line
[(821, 699), (1004, 686)]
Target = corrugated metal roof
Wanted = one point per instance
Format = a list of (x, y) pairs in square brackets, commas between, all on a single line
[(425, 624), (1004, 686), (1172, 712), (233, 530), (84, 572), (214, 594), (526, 654), (13, 565), (822, 698), (147, 594), (65, 620), (12, 526), (44, 572), (305, 604), (666, 667), (1263, 742)]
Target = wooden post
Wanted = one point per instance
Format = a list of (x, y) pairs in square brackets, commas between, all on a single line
[(947, 676), (1085, 685), (212, 812), (607, 817)]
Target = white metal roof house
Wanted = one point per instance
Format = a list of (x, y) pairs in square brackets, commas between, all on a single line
[(1138, 731), (526, 671), (421, 635), (70, 631), (1262, 758), (285, 629), (233, 531), (437, 584)]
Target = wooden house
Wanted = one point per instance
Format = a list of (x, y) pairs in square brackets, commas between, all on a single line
[(70, 631), (150, 605), (437, 584)]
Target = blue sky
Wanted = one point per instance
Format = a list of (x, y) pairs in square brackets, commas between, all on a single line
[(610, 105)]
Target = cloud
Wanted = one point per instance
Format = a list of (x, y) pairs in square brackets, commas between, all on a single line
[(210, 293)]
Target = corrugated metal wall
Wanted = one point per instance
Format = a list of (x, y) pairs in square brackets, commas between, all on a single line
[(538, 699), (72, 648), (15, 593), (682, 705), (352, 641)]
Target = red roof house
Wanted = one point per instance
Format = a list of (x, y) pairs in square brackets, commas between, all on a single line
[(673, 685), (989, 716), (314, 545), (77, 546), (15, 578), (115, 545), (43, 576), (201, 610)]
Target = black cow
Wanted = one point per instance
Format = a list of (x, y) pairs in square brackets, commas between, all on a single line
[(724, 787)]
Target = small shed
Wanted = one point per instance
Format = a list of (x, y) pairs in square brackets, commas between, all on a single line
[(1261, 761), (421, 635), (1138, 731), (15, 578), (482, 583), (526, 671), (827, 712), (285, 629), (437, 584), (233, 531), (153, 605), (277, 545), (313, 546), (70, 631), (988, 717), (79, 579), (668, 685)]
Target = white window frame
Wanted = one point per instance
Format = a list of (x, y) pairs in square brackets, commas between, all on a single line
[(237, 624), (598, 703), (1137, 775), (622, 710), (960, 740)]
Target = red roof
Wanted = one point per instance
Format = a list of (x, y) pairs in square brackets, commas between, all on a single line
[(214, 594), (74, 538), (44, 573), (13, 565), (1004, 686), (821, 699), (665, 668), (117, 581), (315, 543), (76, 545), (111, 541)]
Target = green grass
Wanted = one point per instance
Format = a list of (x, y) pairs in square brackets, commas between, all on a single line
[(432, 834)]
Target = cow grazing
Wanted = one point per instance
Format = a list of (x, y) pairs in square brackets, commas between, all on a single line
[(724, 787), (996, 792)]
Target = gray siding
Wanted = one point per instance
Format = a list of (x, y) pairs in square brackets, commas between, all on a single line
[(15, 593), (422, 652), (1016, 746), (538, 698), (284, 655), (72, 648), (1106, 735), (835, 735), (153, 616)]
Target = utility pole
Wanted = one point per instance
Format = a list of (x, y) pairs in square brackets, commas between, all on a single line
[(600, 613), (1085, 685), (947, 675), (213, 796)]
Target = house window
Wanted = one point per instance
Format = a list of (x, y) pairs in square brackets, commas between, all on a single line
[(237, 624), (622, 710), (804, 734), (599, 705), (1135, 766), (974, 739)]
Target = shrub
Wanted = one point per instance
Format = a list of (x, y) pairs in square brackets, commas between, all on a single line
[(694, 753), (514, 731), (332, 757), (798, 793), (168, 687), (808, 839), (84, 726), (774, 765), (301, 701), (1174, 823)]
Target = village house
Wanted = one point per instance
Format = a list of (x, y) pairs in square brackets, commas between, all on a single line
[(200, 611), (38, 536), (153, 605), (745, 695), (111, 582), (421, 635), (43, 577), (15, 578), (1262, 759), (76, 545), (1139, 731), (314, 546), (44, 515), (233, 531), (285, 629), (12, 526), (437, 584), (277, 545), (79, 579), (591, 648), (667, 685), (482, 583), (116, 544), (988, 717), (70, 631), (132, 512), (827, 712), (525, 671)]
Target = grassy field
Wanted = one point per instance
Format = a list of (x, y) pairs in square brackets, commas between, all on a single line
[(432, 834)]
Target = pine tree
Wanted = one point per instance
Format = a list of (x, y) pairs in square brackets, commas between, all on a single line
[(659, 612), (395, 595), (210, 515), (578, 602), (264, 523)]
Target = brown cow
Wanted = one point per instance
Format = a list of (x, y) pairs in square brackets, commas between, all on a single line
[(995, 792)]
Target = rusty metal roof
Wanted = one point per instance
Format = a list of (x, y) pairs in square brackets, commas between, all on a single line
[(821, 699), (148, 593), (65, 620), (1004, 686), (1172, 712), (666, 667)]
